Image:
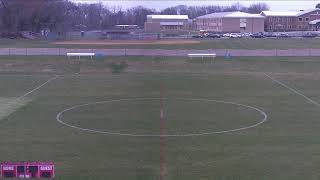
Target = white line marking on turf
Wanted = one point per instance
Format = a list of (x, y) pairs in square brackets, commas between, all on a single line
[(33, 90), (293, 90), (38, 87), (59, 118)]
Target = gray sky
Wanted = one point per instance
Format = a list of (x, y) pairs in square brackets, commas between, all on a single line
[(275, 5)]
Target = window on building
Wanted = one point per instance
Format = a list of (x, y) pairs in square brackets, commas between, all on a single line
[(243, 23), (300, 19), (270, 27), (307, 19)]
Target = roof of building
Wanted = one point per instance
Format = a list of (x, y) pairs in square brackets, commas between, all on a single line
[(168, 16), (315, 21), (280, 13), (236, 14), (287, 13), (307, 11)]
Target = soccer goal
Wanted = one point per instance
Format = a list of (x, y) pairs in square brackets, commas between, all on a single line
[(211, 56), (91, 55)]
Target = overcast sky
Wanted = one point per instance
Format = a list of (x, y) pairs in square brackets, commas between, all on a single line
[(275, 5)]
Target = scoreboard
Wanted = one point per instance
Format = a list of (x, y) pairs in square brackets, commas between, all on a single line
[(27, 169)]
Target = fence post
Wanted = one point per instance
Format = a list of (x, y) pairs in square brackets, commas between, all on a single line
[(309, 51)]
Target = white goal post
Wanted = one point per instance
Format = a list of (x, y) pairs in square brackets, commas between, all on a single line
[(191, 55), (81, 55)]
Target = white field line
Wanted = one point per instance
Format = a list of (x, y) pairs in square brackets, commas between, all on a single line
[(263, 114), (19, 99), (38, 87), (293, 90), (9, 105)]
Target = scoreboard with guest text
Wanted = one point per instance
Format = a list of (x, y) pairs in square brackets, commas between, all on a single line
[(27, 169)]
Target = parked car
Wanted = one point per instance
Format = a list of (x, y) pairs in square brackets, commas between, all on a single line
[(269, 34), (246, 34), (285, 35), (214, 36), (257, 35), (197, 36), (309, 35), (226, 35), (282, 35), (235, 35)]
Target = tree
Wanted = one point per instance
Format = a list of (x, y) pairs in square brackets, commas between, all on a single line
[(64, 15), (140, 15), (318, 5), (169, 11), (16, 15), (258, 8)]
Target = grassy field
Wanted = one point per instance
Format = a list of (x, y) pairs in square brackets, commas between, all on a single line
[(290, 43), (286, 147)]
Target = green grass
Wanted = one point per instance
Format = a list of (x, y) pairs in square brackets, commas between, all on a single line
[(291, 43), (286, 147)]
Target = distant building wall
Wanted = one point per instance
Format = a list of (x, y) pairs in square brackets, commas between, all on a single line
[(230, 22), (255, 25), (298, 22), (168, 25), (280, 23), (209, 24), (302, 22), (252, 25), (231, 25), (152, 27)]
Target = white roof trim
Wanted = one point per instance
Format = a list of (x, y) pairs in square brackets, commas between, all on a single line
[(171, 23), (307, 11), (280, 13), (244, 15), (236, 14), (287, 13), (168, 16)]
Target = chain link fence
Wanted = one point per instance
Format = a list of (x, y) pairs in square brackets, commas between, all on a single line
[(158, 52)]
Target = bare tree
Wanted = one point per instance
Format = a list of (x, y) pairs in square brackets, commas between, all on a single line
[(258, 8), (63, 15), (170, 11)]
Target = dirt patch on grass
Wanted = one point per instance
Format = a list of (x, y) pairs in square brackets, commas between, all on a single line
[(127, 42), (10, 105)]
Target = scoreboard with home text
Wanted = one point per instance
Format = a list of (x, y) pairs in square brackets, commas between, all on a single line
[(27, 169)]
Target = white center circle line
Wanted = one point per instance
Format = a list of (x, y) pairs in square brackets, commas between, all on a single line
[(60, 114)]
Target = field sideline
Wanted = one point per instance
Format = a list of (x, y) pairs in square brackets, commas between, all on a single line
[(284, 147), (290, 43)]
